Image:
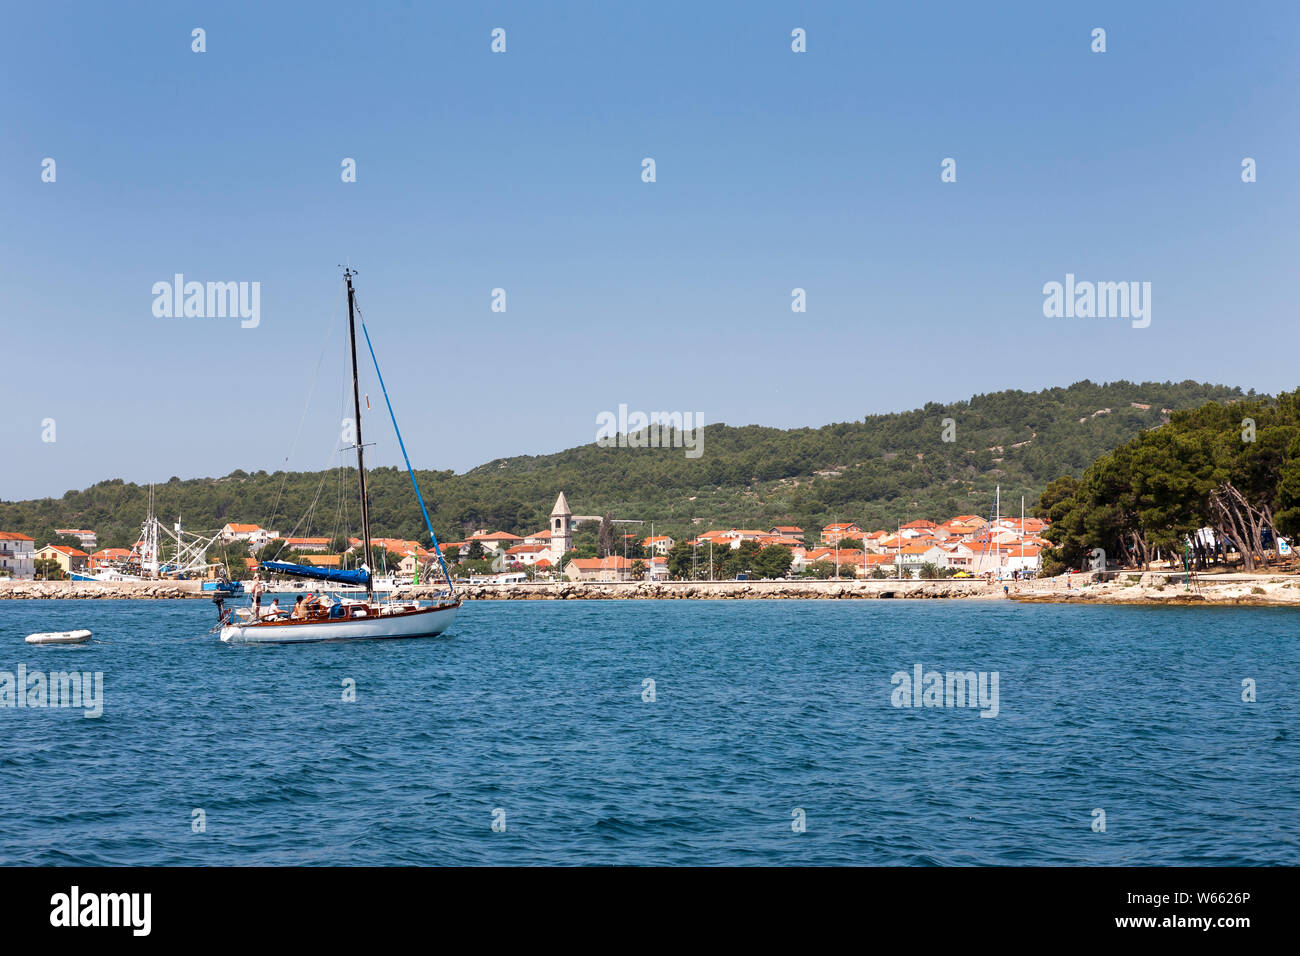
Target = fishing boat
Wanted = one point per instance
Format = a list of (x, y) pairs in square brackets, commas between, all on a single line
[(344, 618)]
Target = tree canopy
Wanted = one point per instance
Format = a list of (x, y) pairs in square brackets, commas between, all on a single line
[(1232, 468)]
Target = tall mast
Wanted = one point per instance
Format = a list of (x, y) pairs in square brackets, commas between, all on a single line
[(361, 454)]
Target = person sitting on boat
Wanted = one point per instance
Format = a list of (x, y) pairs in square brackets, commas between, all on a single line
[(273, 611), (299, 611)]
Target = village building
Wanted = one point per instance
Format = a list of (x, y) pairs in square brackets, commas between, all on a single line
[(887, 563), (494, 542), (87, 538), (319, 545), (527, 554), (17, 556), (255, 535), (871, 541), (109, 557), (966, 524), (834, 533), (911, 557), (658, 544), (68, 558), (1022, 559), (612, 568)]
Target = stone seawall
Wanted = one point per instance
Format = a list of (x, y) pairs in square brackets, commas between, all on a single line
[(558, 591), (721, 590), (101, 590), (1118, 588)]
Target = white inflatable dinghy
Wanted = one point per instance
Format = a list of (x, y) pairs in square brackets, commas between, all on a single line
[(59, 637)]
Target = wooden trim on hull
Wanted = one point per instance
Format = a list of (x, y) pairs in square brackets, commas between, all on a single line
[(421, 622)]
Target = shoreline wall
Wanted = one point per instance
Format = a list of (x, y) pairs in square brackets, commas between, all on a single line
[(1152, 588)]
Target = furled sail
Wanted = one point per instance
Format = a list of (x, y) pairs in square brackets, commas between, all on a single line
[(360, 576)]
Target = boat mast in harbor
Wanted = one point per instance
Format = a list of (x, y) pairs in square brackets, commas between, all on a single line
[(361, 452)]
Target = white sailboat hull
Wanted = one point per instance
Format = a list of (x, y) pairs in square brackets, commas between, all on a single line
[(424, 622)]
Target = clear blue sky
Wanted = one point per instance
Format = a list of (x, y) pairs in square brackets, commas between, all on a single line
[(523, 171)]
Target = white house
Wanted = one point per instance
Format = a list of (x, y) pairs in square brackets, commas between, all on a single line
[(527, 554), (1022, 558), (87, 538), (255, 535), (17, 556), (913, 556), (658, 544)]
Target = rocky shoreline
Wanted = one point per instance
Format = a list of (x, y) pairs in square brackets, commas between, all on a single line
[(548, 591), (1149, 588), (1166, 589), (725, 590), (99, 590)]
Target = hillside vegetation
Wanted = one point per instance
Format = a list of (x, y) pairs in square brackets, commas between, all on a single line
[(875, 471)]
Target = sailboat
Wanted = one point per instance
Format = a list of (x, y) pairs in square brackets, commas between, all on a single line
[(347, 619)]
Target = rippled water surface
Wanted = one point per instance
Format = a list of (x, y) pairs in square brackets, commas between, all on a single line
[(762, 708)]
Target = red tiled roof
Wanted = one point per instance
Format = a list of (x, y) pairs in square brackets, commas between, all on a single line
[(615, 562)]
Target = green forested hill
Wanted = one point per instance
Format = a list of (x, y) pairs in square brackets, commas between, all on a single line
[(874, 471)]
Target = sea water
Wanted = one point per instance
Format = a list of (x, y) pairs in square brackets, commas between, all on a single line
[(664, 732)]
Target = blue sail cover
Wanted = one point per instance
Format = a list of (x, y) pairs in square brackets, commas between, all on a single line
[(360, 576)]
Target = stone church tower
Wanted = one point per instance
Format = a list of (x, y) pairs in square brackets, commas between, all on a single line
[(561, 527)]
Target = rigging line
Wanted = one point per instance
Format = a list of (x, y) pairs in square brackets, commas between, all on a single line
[(329, 331), (401, 444), (284, 542)]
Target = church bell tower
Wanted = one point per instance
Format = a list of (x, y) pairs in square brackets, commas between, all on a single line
[(561, 527)]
